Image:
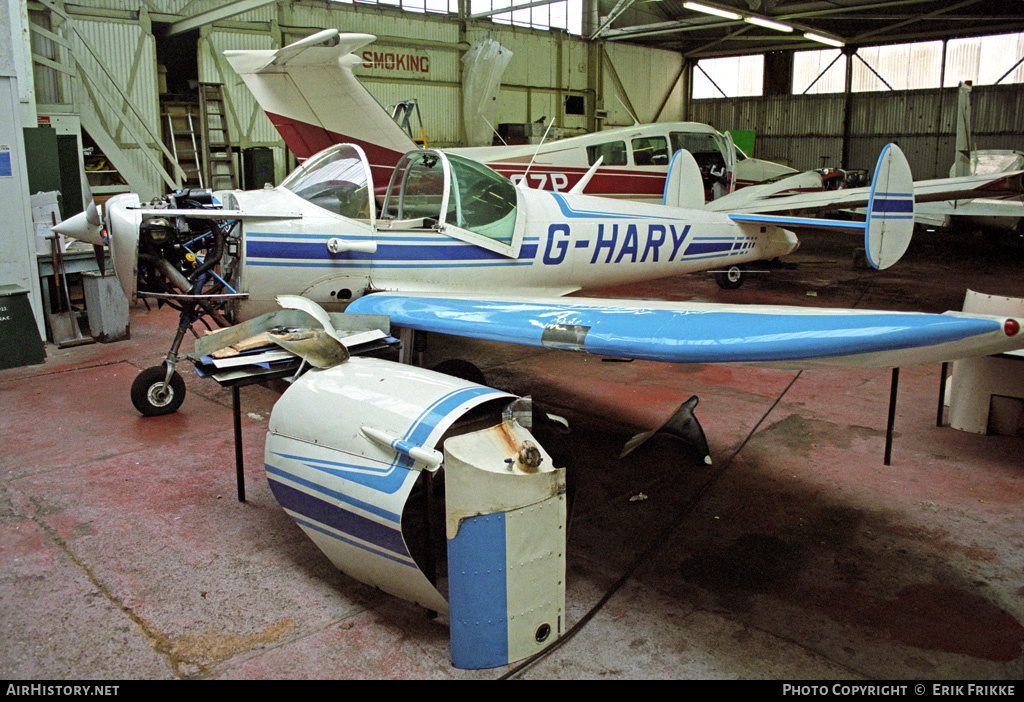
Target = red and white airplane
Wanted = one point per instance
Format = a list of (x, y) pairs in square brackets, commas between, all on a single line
[(310, 94)]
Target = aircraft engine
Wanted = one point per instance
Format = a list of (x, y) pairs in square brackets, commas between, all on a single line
[(172, 255), (358, 454)]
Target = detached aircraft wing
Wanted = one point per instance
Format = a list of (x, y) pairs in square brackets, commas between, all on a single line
[(692, 332)]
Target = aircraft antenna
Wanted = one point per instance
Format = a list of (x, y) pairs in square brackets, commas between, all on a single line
[(494, 130), (537, 150), (636, 122)]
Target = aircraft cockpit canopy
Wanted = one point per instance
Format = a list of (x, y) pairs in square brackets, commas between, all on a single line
[(433, 189), (338, 180)]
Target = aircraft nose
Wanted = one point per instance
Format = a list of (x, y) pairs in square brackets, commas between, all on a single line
[(84, 226)]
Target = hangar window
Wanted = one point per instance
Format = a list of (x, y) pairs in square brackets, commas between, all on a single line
[(981, 60), (818, 72), (732, 76), (443, 6), (614, 153), (897, 67), (561, 14), (985, 60)]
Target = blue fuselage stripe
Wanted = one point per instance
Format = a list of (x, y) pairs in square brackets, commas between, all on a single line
[(385, 252), (339, 519), (339, 470)]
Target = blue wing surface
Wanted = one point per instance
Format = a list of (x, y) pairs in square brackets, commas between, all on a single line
[(684, 332)]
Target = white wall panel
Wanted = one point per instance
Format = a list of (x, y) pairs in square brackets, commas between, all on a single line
[(440, 107), (513, 106), (647, 76)]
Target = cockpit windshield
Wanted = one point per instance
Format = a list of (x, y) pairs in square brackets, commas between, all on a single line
[(485, 201), (472, 197), (337, 180)]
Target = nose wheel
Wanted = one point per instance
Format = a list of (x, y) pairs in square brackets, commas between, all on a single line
[(731, 278), (154, 393)]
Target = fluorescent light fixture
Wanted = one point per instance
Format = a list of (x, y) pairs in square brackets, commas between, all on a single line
[(824, 40), (762, 22), (708, 10)]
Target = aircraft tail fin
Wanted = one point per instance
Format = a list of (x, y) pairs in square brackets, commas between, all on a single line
[(890, 217), (308, 91), (962, 158), (684, 186)]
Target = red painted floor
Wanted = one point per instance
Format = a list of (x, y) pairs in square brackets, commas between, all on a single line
[(797, 555)]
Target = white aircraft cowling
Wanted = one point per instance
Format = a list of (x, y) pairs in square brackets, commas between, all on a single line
[(344, 452)]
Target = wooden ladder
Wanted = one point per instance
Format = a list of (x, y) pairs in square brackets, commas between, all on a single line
[(181, 121), (218, 157)]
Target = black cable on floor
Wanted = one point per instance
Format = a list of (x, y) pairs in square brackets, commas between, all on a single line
[(670, 529), (654, 546)]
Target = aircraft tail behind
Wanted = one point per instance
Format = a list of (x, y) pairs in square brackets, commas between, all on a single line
[(890, 217), (310, 95), (962, 158), (683, 184)]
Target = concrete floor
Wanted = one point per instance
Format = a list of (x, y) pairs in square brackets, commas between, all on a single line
[(798, 555)]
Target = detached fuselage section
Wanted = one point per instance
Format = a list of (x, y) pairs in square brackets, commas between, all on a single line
[(350, 455)]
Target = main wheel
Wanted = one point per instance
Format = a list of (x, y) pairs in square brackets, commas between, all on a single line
[(731, 278), (152, 398)]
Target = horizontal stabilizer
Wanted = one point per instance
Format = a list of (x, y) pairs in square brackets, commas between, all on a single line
[(890, 222)]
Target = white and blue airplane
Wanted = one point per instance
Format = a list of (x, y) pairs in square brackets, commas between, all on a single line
[(458, 249)]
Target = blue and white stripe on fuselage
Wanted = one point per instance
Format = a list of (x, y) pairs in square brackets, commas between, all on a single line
[(572, 244)]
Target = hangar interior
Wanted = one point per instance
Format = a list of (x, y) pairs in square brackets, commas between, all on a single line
[(849, 524)]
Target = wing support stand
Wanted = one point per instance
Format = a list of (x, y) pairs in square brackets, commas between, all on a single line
[(893, 389)]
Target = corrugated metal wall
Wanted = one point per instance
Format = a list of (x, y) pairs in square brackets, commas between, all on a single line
[(545, 69), (124, 53), (806, 131)]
